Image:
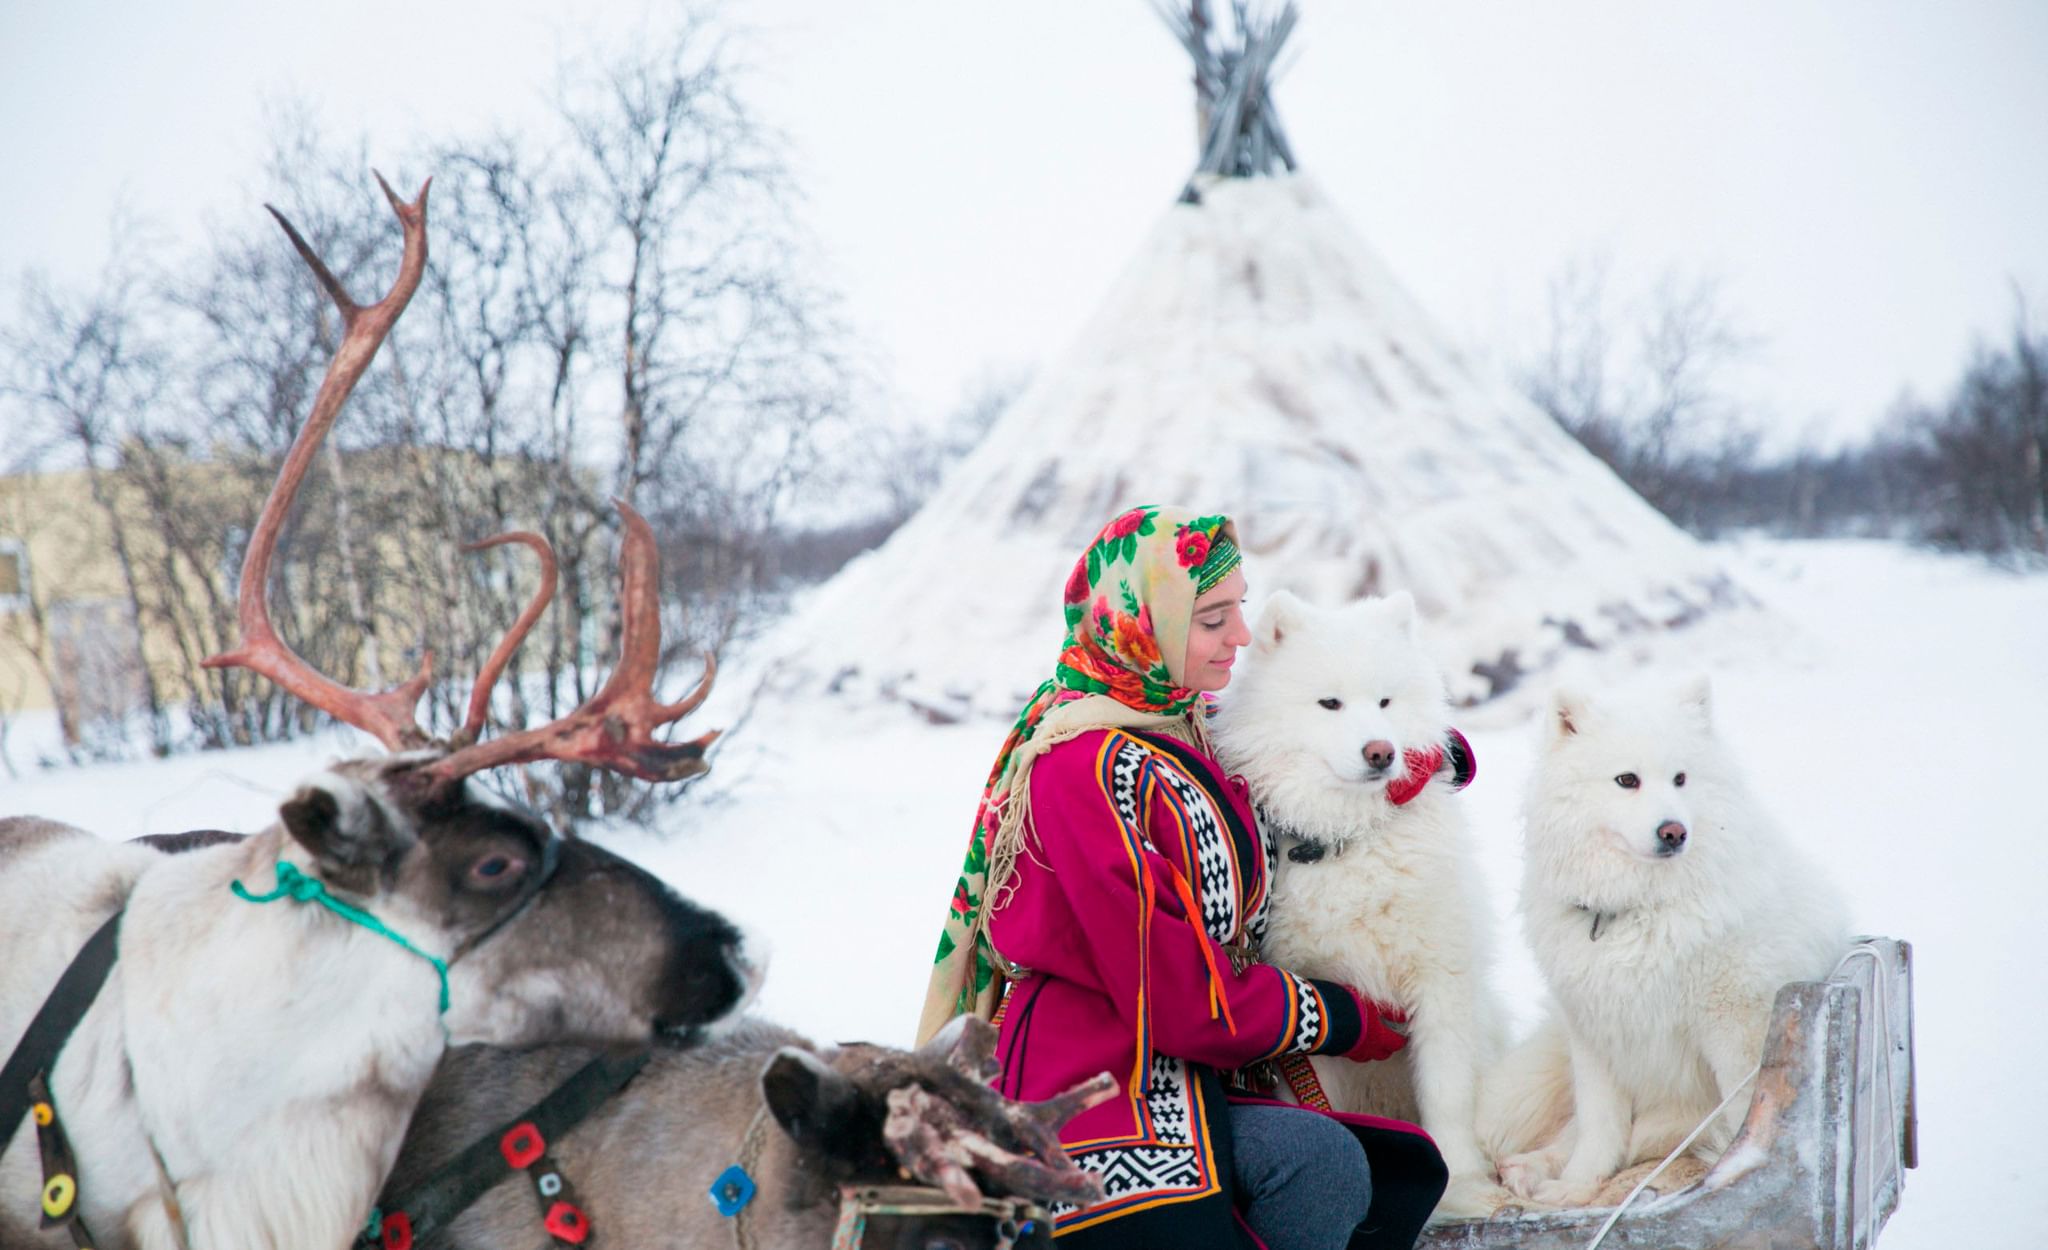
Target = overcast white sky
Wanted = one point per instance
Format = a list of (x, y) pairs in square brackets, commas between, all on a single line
[(1867, 179)]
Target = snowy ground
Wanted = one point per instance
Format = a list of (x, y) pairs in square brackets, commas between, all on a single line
[(1898, 743)]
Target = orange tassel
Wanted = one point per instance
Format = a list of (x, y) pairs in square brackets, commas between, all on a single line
[(1218, 1000)]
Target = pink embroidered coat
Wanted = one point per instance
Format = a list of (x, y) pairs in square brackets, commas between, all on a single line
[(1135, 887)]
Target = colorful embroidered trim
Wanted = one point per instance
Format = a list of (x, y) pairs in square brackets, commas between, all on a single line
[(1301, 1078)]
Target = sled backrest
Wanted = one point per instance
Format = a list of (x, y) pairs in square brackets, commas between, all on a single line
[(1871, 1041), (1821, 1157)]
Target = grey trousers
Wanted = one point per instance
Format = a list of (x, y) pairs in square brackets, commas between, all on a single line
[(1302, 1177)]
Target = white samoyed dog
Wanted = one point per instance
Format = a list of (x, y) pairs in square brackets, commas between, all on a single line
[(1665, 909), (1336, 715)]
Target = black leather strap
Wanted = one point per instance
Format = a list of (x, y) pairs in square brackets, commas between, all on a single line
[(190, 840), (44, 1040), (60, 1169), (437, 1200)]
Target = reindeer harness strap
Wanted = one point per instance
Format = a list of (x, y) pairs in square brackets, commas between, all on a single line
[(734, 1188), (24, 1080), (297, 886), (521, 1145), (1015, 1218), (733, 1194)]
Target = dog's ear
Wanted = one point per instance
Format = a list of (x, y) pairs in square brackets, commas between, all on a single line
[(1400, 609), (1697, 696), (1276, 620), (1567, 709), (351, 835)]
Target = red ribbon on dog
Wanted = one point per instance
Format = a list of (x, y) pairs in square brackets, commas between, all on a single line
[(1424, 765)]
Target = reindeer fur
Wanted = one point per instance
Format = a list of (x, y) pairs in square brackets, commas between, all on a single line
[(643, 1163), (247, 1072)]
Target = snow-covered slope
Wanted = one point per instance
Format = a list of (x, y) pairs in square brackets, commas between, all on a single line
[(1257, 357), (1905, 750)]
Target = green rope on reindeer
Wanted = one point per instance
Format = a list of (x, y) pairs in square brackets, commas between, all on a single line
[(300, 888)]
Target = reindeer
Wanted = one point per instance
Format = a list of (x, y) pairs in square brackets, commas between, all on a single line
[(246, 1073), (854, 1117)]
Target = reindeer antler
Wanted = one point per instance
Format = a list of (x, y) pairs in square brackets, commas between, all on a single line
[(940, 1141), (388, 716), (933, 1139), (972, 1052), (480, 694), (614, 730)]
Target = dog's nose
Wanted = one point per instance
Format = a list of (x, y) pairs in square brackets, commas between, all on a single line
[(1670, 836), (1379, 754)]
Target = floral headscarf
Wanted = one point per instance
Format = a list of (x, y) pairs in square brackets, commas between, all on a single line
[(1129, 603)]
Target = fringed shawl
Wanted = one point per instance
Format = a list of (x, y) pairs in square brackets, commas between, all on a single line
[(1129, 605)]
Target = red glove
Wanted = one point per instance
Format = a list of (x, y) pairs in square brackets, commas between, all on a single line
[(1385, 1030)]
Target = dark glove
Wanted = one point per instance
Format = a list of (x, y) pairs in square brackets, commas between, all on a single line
[(1386, 1030)]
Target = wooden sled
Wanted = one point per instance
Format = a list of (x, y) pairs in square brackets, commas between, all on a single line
[(1820, 1160)]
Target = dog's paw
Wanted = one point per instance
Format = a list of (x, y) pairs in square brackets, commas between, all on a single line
[(1563, 1193), (1522, 1173), (1471, 1197)]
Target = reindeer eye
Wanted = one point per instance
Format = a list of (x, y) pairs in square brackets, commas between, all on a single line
[(1384, 702), (1679, 780), (496, 869), (1628, 781), (1332, 704)]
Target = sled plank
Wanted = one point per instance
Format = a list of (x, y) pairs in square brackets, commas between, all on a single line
[(1821, 1157)]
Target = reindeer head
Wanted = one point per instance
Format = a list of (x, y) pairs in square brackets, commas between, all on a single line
[(876, 1115), (545, 939)]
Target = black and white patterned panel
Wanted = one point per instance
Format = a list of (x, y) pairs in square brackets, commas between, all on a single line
[(1124, 772), (1255, 925), (1167, 1101), (1217, 885), (1174, 1162), (1309, 1030), (1149, 1169)]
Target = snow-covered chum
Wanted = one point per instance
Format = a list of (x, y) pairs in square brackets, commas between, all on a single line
[(278, 1003)]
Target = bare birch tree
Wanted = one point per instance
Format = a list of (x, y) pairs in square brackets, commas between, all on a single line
[(1648, 388), (615, 308), (83, 373)]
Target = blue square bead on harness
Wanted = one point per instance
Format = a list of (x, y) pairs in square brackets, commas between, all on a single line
[(732, 1191)]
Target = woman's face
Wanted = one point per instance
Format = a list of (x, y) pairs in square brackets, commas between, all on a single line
[(1215, 633)]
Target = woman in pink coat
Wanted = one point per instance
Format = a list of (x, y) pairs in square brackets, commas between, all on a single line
[(1108, 918)]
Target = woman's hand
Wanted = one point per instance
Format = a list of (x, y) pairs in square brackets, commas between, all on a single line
[(1385, 1033)]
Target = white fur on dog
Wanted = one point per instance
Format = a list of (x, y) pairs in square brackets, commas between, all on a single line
[(1657, 1018), (1395, 907)]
